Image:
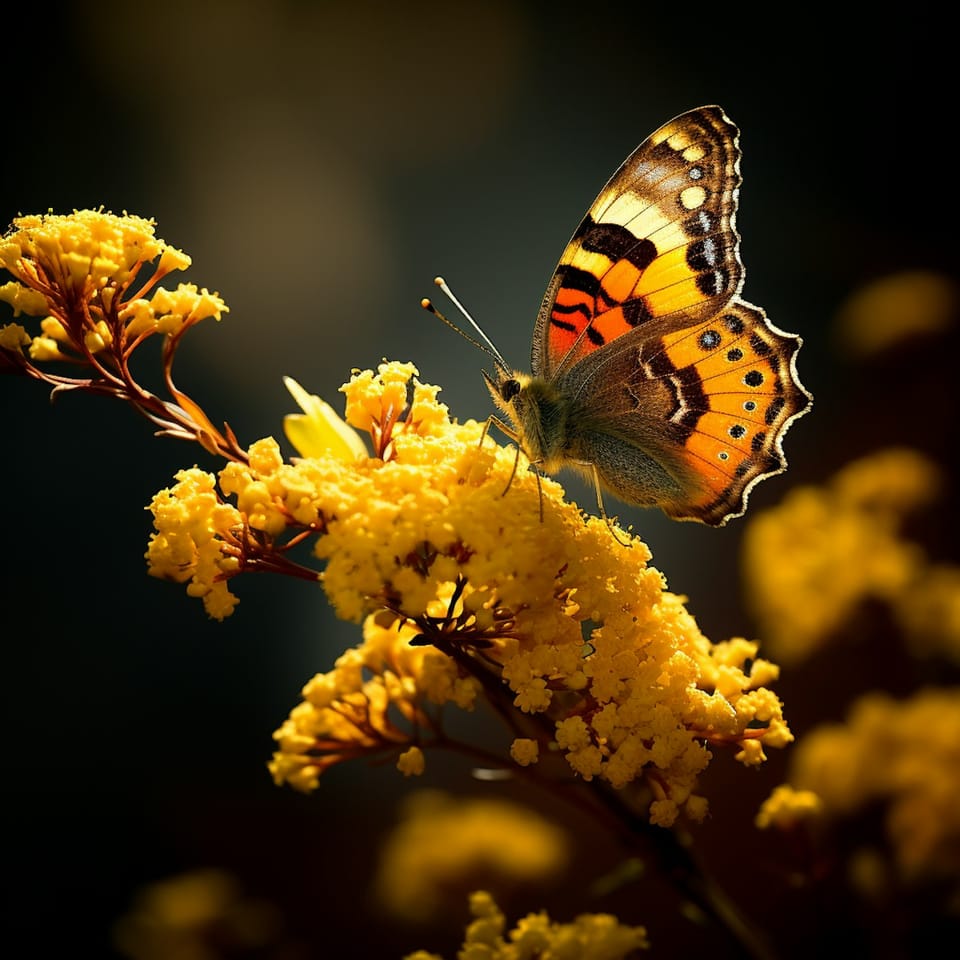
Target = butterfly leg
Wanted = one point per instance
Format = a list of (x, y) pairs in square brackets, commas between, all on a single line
[(494, 421), (510, 433), (603, 512)]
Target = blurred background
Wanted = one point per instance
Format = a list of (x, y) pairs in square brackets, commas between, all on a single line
[(321, 163)]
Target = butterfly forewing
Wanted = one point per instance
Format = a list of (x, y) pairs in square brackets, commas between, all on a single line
[(659, 241)]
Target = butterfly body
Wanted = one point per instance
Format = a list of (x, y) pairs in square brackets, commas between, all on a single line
[(649, 373)]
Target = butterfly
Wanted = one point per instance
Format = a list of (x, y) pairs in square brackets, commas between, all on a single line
[(649, 373)]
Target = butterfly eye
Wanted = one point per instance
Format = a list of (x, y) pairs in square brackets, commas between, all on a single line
[(509, 389)]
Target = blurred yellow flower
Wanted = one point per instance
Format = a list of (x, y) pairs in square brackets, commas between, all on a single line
[(904, 755), (897, 307), (929, 612), (445, 844), (202, 915), (786, 807), (810, 561)]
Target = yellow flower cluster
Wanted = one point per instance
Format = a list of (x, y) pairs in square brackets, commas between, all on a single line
[(903, 754), (356, 708), (813, 559), (75, 272), (896, 308), (577, 626), (598, 936), (197, 540), (444, 843)]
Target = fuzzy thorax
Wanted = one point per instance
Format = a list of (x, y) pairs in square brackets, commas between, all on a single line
[(539, 413)]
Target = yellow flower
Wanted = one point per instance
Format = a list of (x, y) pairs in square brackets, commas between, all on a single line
[(13, 337), (411, 762), (443, 843), (172, 310), (423, 533), (599, 936), (903, 755), (196, 539), (812, 560), (525, 751), (23, 299), (78, 270), (786, 807), (87, 247)]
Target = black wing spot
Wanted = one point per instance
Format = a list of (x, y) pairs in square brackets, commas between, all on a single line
[(709, 340), (733, 323)]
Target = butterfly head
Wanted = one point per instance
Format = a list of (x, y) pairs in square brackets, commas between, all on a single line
[(506, 388), (539, 414)]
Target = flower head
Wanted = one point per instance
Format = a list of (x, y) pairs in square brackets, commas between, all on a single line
[(76, 270), (576, 629), (78, 274)]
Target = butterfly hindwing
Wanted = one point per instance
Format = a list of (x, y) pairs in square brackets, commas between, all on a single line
[(737, 392), (658, 241)]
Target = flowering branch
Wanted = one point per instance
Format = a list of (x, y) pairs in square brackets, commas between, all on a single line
[(76, 272), (464, 594)]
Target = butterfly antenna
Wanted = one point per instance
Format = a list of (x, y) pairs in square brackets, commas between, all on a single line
[(486, 346)]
